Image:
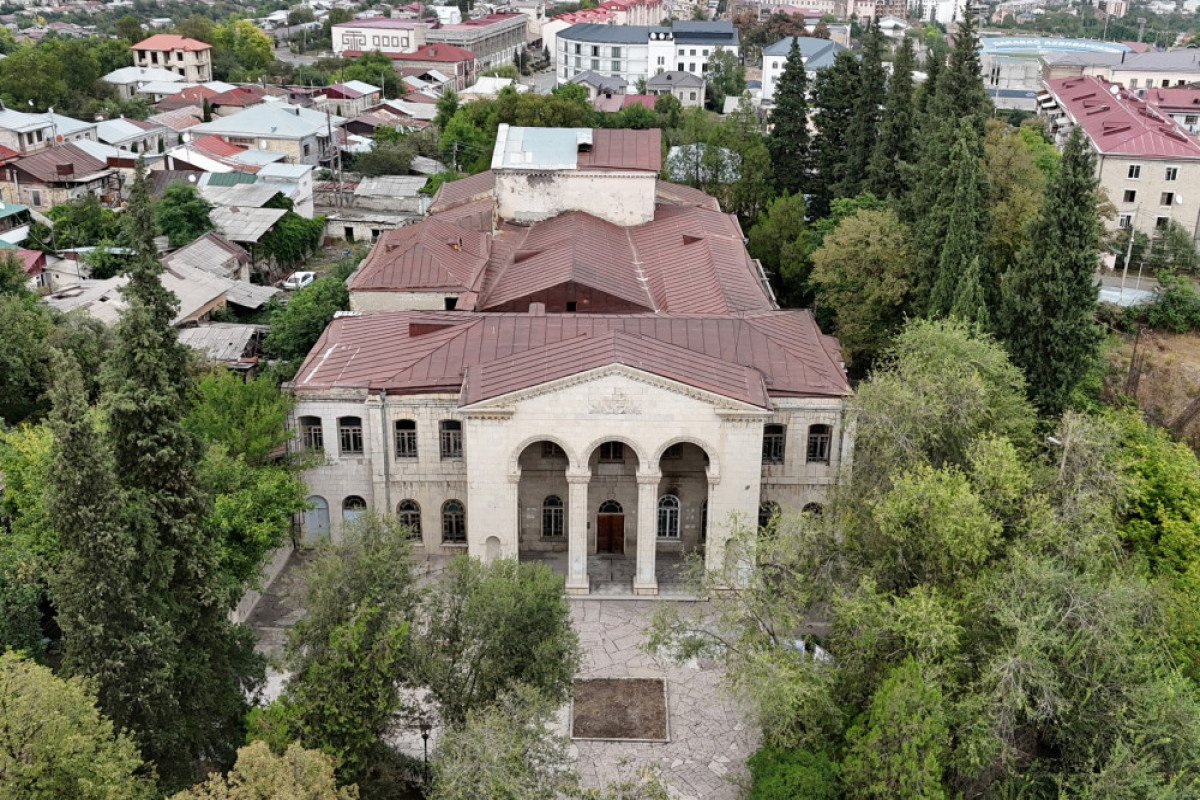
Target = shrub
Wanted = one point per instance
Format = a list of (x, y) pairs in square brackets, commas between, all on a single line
[(780, 774)]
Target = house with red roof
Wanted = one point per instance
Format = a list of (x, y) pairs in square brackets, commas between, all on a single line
[(570, 360), (188, 58), (1147, 163)]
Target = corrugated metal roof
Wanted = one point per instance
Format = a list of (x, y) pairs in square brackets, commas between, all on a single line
[(464, 190), (179, 119), (391, 185), (222, 341), (244, 224), (211, 253), (44, 165), (250, 295), (410, 352), (247, 194), (431, 255), (225, 179)]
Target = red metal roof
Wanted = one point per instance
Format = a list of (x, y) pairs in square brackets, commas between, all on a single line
[(217, 146), (44, 165), (237, 96), (427, 256), (1178, 99), (461, 191), (624, 149), (436, 51), (32, 262), (7, 154), (1119, 123), (193, 96), (171, 41), (750, 356)]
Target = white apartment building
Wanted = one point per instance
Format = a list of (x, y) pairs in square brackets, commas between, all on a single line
[(636, 52)]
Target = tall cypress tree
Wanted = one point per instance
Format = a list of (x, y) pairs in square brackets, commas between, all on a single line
[(965, 220), (1048, 301), (868, 112), (970, 303), (789, 145), (171, 668), (894, 158), (835, 96)]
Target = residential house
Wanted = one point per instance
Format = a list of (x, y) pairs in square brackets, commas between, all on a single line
[(188, 58), (1147, 163), (129, 80), (349, 99), (687, 88), (215, 155), (302, 135), (454, 62), (55, 176), (134, 135), (233, 346), (25, 133), (580, 396), (596, 83), (213, 253), (295, 181), (638, 52), (1180, 104), (817, 54), (178, 119)]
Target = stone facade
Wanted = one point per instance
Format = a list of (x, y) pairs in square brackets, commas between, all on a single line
[(614, 439)]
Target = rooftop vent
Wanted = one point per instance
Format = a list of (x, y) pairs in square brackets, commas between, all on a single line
[(422, 328)]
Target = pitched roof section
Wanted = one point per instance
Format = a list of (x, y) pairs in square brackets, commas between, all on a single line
[(552, 149), (45, 165), (410, 352), (1119, 123), (171, 41), (465, 190), (430, 256)]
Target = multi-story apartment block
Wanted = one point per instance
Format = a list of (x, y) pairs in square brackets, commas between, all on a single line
[(638, 52), (188, 58)]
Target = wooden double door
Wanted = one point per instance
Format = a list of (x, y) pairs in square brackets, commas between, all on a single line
[(610, 533)]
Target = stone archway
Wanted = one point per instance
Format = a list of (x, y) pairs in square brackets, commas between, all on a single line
[(543, 502), (681, 508)]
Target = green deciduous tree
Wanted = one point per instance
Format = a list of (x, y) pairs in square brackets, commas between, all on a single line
[(1047, 313), (1016, 185), (893, 161), (861, 276), (83, 222), (484, 628), (55, 743), (181, 214), (780, 240), (791, 159), (726, 77), (296, 328), (259, 774)]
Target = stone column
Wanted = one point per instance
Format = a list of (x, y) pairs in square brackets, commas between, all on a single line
[(644, 579), (577, 533)]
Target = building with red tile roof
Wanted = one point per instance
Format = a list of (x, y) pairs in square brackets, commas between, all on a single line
[(534, 367), (1146, 162), (189, 58)]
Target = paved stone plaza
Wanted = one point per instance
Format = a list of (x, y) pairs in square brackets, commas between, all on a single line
[(710, 737)]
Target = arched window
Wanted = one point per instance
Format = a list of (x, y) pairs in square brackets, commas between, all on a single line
[(813, 508), (610, 507), (451, 435), (350, 436), (773, 443), (767, 514), (410, 517), (552, 516), (312, 437), (353, 507), (454, 522), (818, 444), (316, 520), (406, 438), (668, 517)]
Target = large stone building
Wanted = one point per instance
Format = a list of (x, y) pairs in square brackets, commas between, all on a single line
[(188, 58), (638, 52), (569, 355), (1147, 163), (493, 39)]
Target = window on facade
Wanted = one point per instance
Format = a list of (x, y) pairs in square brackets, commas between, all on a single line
[(451, 436), (616, 66), (578, 49), (353, 507), (704, 521), (612, 452), (662, 60), (1129, 196), (691, 95), (551, 450), (818, 444), (681, 66), (773, 439), (410, 517), (1166, 82), (1161, 223), (307, 149), (348, 233), (1135, 171), (1172, 173), (767, 512), (692, 66), (1167, 199), (693, 51), (312, 436), (595, 50), (552, 516), (668, 517), (406, 438), (596, 64), (616, 52), (703, 52), (1191, 119), (36, 197), (350, 436), (1133, 83), (1124, 220), (682, 52), (454, 522)]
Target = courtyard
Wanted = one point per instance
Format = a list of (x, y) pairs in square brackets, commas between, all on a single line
[(710, 736)]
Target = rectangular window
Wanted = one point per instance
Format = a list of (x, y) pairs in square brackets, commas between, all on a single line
[(681, 66), (662, 60), (307, 149), (1166, 82), (1191, 119), (693, 51), (406, 438), (1167, 199), (616, 52), (36, 197), (578, 49), (595, 50), (682, 52), (1130, 196), (818, 444), (451, 438), (1172, 173), (1133, 83), (312, 436), (350, 436), (616, 66), (774, 437), (703, 52), (1124, 220), (1135, 172), (692, 66), (596, 64), (612, 452), (1161, 223)]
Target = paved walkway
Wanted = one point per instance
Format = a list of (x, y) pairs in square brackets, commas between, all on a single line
[(710, 735)]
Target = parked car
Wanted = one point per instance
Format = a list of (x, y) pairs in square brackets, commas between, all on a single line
[(298, 280)]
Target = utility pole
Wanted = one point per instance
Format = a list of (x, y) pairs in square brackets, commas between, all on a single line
[(1141, 28), (1129, 252)]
